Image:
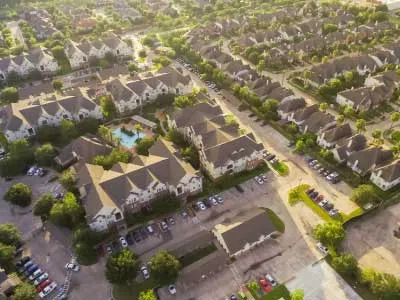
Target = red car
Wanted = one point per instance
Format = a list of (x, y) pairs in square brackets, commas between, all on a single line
[(43, 285), (265, 285), (319, 198)]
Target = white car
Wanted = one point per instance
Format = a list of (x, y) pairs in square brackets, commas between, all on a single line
[(31, 171), (322, 248), (73, 267), (172, 289), (263, 177), (123, 242), (213, 201), (271, 279), (219, 199), (333, 212), (258, 180), (201, 205), (35, 274), (150, 229), (41, 278), (47, 290), (145, 272), (323, 202)]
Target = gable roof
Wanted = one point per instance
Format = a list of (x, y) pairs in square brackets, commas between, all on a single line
[(370, 158), (337, 133), (196, 114), (245, 229), (390, 172)]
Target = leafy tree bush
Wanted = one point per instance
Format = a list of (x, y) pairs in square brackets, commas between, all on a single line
[(121, 267), (143, 145), (330, 233), (9, 234), (364, 194), (57, 85), (174, 136), (7, 257), (107, 161), (19, 158), (297, 295), (9, 94), (147, 295), (19, 194), (44, 205), (68, 179), (108, 108), (345, 264), (85, 240), (384, 286), (184, 101), (164, 267), (68, 212), (24, 291), (68, 131), (44, 155)]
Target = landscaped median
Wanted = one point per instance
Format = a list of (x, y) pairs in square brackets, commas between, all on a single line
[(299, 194), (277, 293), (281, 168)]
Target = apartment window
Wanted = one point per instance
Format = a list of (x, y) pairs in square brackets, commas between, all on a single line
[(163, 90), (85, 59), (118, 216), (81, 117), (118, 51), (2, 77), (30, 131), (65, 116), (230, 166), (42, 68), (147, 94), (179, 190), (44, 122), (177, 90)]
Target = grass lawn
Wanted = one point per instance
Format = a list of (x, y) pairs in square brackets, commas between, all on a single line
[(197, 254), (281, 168), (128, 292), (279, 225), (276, 293)]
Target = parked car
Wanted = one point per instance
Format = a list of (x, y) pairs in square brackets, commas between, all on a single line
[(40, 279), (316, 166), (48, 289), (172, 289), (213, 201), (184, 214), (309, 191), (321, 170), (145, 272), (326, 173), (136, 236), (265, 285), (150, 229), (322, 248), (333, 212), (319, 198), (109, 249), (42, 285), (23, 261), (263, 177), (271, 279), (30, 270), (323, 203), (329, 206), (163, 226), (31, 171), (73, 267), (219, 199), (312, 162), (171, 220), (258, 180), (123, 242), (314, 195), (201, 205), (207, 203), (35, 274)]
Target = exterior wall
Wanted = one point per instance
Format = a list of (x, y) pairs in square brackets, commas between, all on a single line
[(105, 218), (47, 65), (381, 183), (78, 60), (344, 101), (123, 50), (323, 143)]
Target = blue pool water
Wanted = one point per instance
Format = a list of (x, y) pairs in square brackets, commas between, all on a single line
[(126, 140)]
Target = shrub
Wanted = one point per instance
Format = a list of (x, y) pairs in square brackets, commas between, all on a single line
[(19, 194)]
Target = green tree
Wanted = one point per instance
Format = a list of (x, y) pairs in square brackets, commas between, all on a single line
[(394, 117), (147, 295), (121, 267), (68, 212), (9, 94), (385, 286), (143, 145), (231, 120), (261, 65), (116, 155), (108, 107), (364, 194), (164, 267), (106, 133), (174, 136), (323, 106), (132, 67), (253, 285), (24, 291), (57, 85), (300, 146), (340, 119), (348, 112), (68, 179), (329, 233), (329, 28), (68, 130), (297, 295), (138, 128), (377, 135), (7, 257), (192, 156), (361, 125), (142, 53), (345, 264), (270, 109), (184, 101), (9, 234), (19, 194), (44, 205), (44, 155), (58, 52)]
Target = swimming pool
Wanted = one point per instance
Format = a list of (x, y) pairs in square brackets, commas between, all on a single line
[(126, 140)]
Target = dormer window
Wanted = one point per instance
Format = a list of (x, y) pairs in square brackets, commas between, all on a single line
[(118, 51), (41, 68), (85, 59), (44, 122), (65, 117), (118, 216), (30, 131)]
